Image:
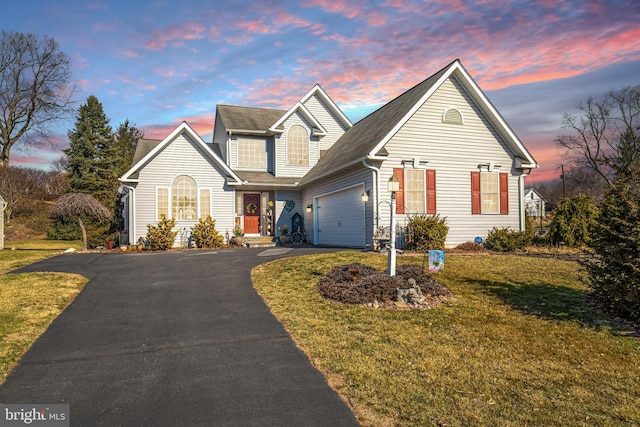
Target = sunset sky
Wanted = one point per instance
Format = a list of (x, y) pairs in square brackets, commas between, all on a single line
[(158, 63)]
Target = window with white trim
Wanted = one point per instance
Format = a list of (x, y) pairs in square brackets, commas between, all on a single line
[(252, 153), (205, 202), (297, 146), (184, 198), (162, 203), (490, 192), (414, 191)]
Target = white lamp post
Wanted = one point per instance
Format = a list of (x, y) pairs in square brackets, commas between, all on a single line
[(393, 186)]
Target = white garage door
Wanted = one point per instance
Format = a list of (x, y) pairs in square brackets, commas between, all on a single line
[(341, 219)]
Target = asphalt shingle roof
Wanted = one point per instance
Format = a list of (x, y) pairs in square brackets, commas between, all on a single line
[(248, 118), (354, 145)]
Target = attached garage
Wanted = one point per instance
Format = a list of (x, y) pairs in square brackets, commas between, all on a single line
[(340, 218)]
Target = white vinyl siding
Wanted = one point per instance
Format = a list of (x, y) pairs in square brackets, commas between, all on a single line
[(334, 126), (414, 191), (180, 157), (490, 192), (454, 151)]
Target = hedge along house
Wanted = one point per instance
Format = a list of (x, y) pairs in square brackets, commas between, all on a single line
[(452, 152)]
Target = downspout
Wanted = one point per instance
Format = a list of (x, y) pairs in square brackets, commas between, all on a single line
[(521, 199), (376, 191)]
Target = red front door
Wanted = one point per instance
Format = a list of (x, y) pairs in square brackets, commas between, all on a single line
[(251, 213)]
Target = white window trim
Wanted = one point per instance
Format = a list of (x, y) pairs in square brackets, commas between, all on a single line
[(422, 170), (158, 218), (308, 147), (483, 174)]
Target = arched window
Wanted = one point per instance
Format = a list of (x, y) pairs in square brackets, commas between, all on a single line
[(184, 198), (297, 146)]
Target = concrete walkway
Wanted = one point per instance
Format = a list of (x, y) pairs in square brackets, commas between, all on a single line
[(177, 338)]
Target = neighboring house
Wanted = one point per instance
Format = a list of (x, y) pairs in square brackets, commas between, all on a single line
[(3, 204), (308, 166), (534, 203)]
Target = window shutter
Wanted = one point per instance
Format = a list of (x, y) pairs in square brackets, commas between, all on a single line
[(399, 173), (475, 193), (431, 191), (504, 194)]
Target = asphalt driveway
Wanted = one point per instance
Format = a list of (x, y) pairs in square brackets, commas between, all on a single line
[(176, 338)]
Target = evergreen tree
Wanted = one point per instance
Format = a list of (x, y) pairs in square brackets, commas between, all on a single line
[(93, 164), (92, 155), (615, 269), (126, 140)]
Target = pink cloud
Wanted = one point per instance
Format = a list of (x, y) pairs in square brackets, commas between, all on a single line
[(176, 35)]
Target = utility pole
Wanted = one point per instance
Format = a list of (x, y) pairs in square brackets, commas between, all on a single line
[(564, 183)]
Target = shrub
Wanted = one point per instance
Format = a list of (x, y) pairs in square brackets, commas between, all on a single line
[(161, 238), (573, 220), (470, 247), (205, 235), (506, 240), (427, 232), (614, 272)]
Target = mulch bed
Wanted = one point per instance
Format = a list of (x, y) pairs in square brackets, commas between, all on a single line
[(364, 285)]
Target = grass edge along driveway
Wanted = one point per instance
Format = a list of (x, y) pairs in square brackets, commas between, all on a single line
[(29, 302), (520, 345)]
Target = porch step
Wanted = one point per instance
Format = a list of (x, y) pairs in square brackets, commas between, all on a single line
[(259, 241)]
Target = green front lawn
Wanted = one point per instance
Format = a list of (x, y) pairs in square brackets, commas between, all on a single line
[(29, 302), (518, 346)]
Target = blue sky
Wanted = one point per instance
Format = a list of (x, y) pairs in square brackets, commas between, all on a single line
[(158, 63)]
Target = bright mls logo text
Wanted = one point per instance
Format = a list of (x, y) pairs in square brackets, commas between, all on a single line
[(40, 415)]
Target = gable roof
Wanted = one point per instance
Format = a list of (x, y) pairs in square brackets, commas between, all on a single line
[(367, 138), (154, 147), (143, 147), (318, 129), (248, 120)]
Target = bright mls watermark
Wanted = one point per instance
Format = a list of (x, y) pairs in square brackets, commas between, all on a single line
[(40, 415)]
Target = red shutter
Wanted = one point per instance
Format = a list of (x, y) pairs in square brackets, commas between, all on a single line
[(399, 173), (431, 191), (504, 194), (476, 205)]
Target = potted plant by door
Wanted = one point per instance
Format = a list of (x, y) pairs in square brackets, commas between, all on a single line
[(237, 235), (284, 234)]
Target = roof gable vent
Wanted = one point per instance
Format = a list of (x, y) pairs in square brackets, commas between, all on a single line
[(452, 116)]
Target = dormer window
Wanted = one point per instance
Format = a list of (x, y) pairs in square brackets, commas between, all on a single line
[(297, 146), (452, 116)]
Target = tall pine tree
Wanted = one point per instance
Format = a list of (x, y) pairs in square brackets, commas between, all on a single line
[(93, 159), (93, 164)]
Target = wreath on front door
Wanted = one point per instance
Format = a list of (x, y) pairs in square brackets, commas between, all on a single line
[(251, 208)]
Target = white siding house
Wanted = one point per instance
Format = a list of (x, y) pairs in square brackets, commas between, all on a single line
[(451, 150), (534, 203)]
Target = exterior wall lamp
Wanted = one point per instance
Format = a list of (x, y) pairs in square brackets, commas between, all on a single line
[(309, 208), (365, 196)]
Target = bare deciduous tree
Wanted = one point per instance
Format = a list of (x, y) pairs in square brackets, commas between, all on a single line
[(79, 205), (35, 89), (18, 185), (605, 133)]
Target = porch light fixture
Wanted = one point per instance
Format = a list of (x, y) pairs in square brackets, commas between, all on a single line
[(394, 187), (309, 208), (365, 196)]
